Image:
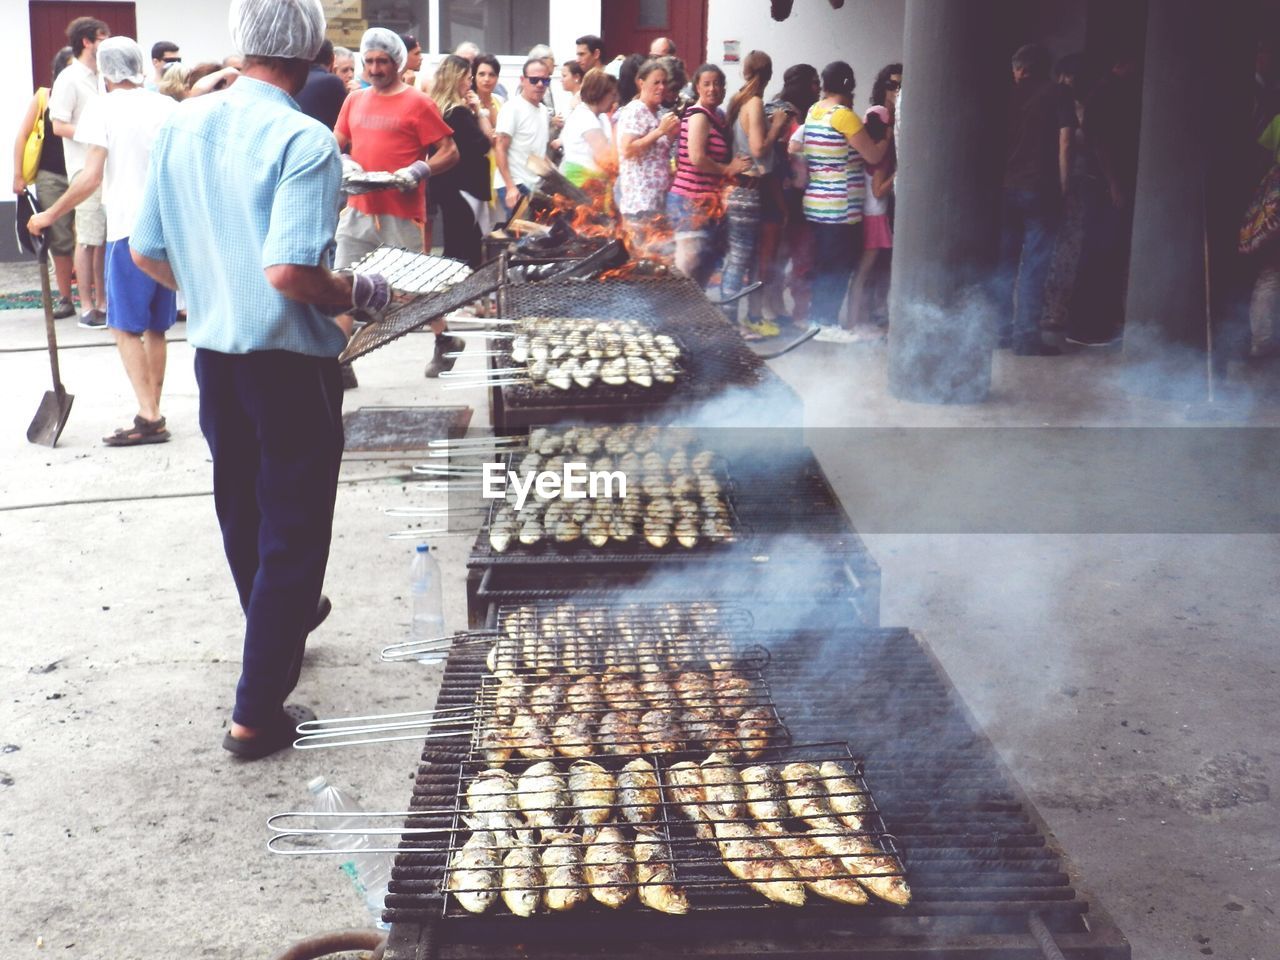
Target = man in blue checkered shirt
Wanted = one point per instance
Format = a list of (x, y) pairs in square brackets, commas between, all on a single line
[(239, 213)]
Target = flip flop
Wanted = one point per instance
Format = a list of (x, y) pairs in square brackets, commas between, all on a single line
[(272, 738)]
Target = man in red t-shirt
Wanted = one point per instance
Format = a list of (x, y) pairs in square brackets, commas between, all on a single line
[(389, 126)]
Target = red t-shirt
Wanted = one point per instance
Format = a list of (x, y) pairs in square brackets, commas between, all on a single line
[(387, 133)]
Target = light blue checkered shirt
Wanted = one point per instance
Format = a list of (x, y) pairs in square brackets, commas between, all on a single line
[(239, 181)]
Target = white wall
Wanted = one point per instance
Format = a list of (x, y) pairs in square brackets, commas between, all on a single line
[(866, 33), (15, 49), (198, 28)]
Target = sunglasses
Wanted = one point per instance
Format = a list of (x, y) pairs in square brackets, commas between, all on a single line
[(893, 85), (172, 59), (540, 81)]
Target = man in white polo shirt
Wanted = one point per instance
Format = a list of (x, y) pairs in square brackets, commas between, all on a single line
[(522, 131), (117, 131), (75, 87)]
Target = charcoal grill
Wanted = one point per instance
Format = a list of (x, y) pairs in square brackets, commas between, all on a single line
[(979, 858), (796, 539), (715, 357)]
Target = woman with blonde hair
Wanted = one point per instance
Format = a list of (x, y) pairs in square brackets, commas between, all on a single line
[(462, 190)]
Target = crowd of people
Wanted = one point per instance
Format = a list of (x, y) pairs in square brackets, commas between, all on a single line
[(784, 185)]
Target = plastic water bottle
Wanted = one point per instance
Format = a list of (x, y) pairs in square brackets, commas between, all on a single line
[(428, 599), (368, 871)]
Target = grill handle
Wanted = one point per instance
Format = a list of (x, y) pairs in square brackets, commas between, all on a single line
[(300, 840), (414, 649)]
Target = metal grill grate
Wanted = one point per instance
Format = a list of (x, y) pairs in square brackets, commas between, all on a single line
[(410, 272), (979, 860), (420, 311), (707, 840), (649, 638)]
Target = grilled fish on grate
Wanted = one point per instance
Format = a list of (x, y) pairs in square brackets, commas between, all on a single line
[(542, 795), (752, 859), (656, 874), (593, 791), (638, 795), (564, 872), (726, 799), (850, 803), (684, 782), (522, 880), (610, 866), (766, 797), (475, 877)]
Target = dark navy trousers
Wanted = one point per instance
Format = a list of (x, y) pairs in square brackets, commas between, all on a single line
[(273, 421)]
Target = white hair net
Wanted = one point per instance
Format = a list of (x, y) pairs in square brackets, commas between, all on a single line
[(388, 41), (277, 28), (120, 60)]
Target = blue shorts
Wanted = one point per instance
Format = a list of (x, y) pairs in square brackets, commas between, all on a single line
[(135, 302)]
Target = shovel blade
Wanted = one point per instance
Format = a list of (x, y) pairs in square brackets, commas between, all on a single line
[(51, 417)]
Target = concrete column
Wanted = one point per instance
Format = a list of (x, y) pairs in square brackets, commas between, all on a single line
[(1164, 335), (949, 151)]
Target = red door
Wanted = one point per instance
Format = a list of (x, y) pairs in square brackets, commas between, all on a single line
[(629, 26), (49, 19)]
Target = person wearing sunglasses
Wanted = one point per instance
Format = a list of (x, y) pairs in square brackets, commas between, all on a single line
[(523, 131), (164, 54)]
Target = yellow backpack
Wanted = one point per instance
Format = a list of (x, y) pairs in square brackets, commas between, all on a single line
[(35, 140)]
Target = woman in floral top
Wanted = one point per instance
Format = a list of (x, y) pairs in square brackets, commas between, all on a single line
[(644, 149)]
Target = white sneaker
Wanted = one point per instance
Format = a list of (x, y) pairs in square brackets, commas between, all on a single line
[(836, 335)]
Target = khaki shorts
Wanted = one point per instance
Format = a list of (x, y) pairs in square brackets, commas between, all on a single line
[(61, 233), (91, 219), (359, 233)]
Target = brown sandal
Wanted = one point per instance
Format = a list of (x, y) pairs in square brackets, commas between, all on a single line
[(142, 431)]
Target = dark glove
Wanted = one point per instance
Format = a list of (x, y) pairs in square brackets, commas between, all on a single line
[(370, 292)]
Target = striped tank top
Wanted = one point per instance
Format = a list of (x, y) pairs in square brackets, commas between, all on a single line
[(837, 174), (691, 182)]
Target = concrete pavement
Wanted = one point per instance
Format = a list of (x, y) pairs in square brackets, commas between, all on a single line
[(1129, 681)]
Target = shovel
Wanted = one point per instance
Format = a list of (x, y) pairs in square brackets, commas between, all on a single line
[(51, 415)]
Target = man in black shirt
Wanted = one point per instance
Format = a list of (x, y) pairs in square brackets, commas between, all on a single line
[(322, 95), (1037, 167)]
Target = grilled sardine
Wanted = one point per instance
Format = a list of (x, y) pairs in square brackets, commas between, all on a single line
[(610, 866), (474, 878), (851, 804), (572, 735), (530, 738), (563, 871), (660, 733), (542, 795), (521, 880), (752, 859), (684, 781), (823, 874), (638, 795), (754, 732), (656, 874), (865, 860), (766, 797), (806, 795), (722, 789), (593, 791)]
